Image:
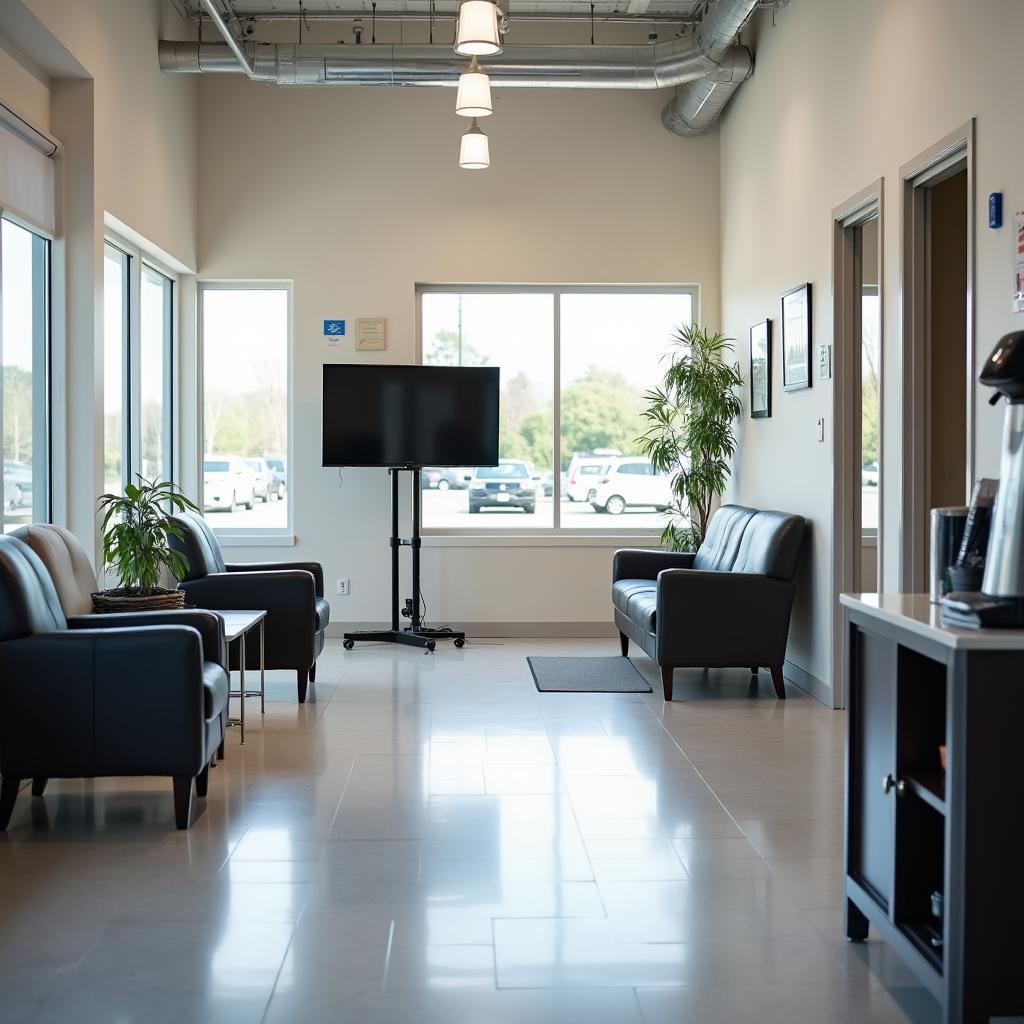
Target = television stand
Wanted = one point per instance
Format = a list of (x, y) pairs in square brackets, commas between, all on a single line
[(415, 634)]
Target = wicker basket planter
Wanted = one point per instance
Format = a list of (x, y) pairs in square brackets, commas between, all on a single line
[(131, 599)]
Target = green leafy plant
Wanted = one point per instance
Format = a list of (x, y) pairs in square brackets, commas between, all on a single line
[(690, 430), (136, 526)]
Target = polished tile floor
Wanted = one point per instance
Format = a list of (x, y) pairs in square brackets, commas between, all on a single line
[(431, 840)]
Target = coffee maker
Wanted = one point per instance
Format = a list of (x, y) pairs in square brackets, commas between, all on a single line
[(1001, 601)]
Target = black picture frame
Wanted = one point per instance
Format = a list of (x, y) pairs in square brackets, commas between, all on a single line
[(761, 370), (796, 338)]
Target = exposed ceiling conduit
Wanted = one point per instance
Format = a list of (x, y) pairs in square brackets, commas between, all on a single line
[(675, 62), (700, 103)]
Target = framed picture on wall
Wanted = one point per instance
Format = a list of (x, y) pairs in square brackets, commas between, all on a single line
[(796, 338), (761, 370)]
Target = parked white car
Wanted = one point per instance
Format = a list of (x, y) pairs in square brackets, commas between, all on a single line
[(583, 477), (630, 482), (263, 479), (227, 482)]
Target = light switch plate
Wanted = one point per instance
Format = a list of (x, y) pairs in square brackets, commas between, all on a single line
[(824, 362), (821, 430)]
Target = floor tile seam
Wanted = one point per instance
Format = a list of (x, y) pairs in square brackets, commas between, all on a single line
[(699, 773), (280, 966)]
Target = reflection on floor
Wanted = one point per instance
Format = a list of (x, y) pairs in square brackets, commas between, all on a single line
[(431, 840)]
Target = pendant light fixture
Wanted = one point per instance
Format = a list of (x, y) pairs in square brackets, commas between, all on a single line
[(477, 31), (474, 96), (474, 153)]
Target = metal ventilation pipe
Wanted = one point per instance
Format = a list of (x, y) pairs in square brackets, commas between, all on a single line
[(699, 105), (665, 64)]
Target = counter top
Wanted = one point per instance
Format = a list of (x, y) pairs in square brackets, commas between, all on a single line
[(916, 613)]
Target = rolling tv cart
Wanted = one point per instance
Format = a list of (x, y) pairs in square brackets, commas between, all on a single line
[(415, 634)]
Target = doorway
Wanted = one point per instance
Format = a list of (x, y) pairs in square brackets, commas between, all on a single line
[(938, 339), (857, 409)]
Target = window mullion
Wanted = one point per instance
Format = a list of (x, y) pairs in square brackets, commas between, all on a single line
[(556, 414), (133, 368)]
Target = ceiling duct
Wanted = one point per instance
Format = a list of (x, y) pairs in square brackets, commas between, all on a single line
[(675, 62)]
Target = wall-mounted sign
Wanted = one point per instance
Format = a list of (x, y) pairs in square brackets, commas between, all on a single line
[(334, 328), (371, 334)]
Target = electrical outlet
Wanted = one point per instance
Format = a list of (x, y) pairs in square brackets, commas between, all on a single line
[(343, 586)]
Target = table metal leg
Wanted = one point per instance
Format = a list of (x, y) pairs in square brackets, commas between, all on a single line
[(241, 680), (263, 673)]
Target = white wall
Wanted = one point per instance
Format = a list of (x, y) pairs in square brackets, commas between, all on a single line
[(356, 195), (843, 94)]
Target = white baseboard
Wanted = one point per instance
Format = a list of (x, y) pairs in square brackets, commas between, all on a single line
[(816, 687), (502, 629)]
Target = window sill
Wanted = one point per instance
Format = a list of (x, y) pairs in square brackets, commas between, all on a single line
[(255, 540), (550, 540)]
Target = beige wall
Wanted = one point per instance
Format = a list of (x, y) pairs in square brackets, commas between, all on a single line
[(145, 121), (844, 94), (356, 195), (24, 90), (129, 134)]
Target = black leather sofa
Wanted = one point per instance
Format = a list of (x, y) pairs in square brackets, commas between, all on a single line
[(291, 593), (726, 605), (146, 694)]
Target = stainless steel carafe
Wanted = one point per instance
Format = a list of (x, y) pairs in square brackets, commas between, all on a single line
[(1004, 561)]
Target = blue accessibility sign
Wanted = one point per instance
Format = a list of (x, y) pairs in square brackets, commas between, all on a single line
[(334, 328)]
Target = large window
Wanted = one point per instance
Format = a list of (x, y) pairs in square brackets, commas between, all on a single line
[(246, 331), (575, 364), (138, 352), (24, 353)]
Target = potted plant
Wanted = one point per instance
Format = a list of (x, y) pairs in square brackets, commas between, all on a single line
[(690, 432), (135, 527)]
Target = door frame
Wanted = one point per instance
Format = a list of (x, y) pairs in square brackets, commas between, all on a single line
[(866, 205), (947, 157)]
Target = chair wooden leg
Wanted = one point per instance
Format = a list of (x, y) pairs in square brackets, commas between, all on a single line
[(624, 641), (220, 750), (666, 681), (8, 795), (203, 781), (780, 683), (303, 674), (39, 786), (183, 801), (312, 673)]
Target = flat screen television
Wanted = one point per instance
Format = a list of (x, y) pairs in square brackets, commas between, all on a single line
[(387, 415)]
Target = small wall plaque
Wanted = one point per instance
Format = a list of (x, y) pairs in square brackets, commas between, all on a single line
[(371, 334)]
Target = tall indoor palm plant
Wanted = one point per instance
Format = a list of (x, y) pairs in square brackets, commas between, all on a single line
[(690, 430)]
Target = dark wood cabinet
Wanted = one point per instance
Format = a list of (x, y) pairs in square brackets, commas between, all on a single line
[(935, 856)]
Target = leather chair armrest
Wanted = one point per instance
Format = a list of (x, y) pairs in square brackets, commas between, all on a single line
[(209, 624), (90, 702), (722, 618), (642, 564), (314, 567), (288, 596)]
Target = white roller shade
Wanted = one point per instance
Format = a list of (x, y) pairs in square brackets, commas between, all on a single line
[(26, 171)]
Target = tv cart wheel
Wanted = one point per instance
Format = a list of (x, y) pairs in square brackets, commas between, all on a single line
[(348, 644), (460, 641)]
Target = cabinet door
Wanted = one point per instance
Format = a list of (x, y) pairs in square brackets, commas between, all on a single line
[(872, 757)]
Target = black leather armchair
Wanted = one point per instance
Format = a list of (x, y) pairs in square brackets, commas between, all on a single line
[(291, 593), (146, 694), (726, 605)]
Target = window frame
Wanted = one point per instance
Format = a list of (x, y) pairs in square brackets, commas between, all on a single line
[(556, 534), (131, 354), (245, 536), (42, 349)]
